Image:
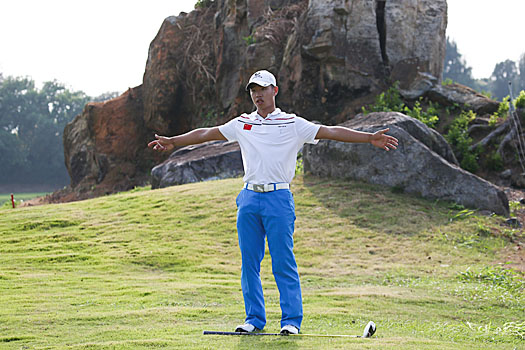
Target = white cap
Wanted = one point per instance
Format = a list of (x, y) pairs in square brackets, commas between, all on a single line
[(262, 78)]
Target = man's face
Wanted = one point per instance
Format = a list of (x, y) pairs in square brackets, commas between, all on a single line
[(263, 97)]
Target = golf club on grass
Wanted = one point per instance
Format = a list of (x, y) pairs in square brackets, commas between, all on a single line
[(369, 330)]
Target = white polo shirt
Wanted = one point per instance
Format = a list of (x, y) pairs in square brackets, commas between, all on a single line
[(269, 145)]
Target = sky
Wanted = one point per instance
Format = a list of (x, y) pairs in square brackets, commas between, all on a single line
[(487, 32), (96, 46), (100, 46)]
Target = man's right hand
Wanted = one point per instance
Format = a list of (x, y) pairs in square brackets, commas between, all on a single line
[(162, 143)]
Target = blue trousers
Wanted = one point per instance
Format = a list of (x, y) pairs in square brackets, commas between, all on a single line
[(269, 215)]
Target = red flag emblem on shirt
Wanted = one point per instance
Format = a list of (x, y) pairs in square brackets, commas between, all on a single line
[(247, 127)]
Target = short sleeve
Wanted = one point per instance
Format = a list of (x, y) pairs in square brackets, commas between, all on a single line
[(306, 130), (228, 130)]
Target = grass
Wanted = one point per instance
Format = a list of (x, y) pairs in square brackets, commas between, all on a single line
[(154, 268)]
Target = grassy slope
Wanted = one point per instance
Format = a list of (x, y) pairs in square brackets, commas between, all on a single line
[(150, 269)]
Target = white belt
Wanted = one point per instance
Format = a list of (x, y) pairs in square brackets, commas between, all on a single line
[(267, 187)]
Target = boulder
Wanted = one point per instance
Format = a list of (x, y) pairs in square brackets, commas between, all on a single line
[(457, 94), (208, 161), (429, 137), (450, 95), (416, 167)]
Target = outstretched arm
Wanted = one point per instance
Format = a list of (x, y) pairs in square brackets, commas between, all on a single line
[(340, 133), (163, 143)]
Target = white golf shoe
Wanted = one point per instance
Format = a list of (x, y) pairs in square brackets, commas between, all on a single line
[(289, 329), (247, 328)]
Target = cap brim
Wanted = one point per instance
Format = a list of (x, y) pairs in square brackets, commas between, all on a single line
[(254, 83)]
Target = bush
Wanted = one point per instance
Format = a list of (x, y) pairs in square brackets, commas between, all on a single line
[(391, 101), (520, 101), (203, 4), (428, 117), (447, 81), (494, 162), (388, 101), (460, 141), (250, 39), (501, 113)]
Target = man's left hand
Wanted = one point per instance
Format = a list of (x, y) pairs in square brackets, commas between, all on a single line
[(381, 140)]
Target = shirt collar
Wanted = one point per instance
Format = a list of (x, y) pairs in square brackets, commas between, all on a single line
[(255, 116), (276, 112)]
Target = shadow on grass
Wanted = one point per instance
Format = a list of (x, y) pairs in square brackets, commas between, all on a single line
[(377, 208)]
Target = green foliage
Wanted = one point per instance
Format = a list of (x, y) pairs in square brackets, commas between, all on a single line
[(447, 81), (250, 39), (202, 4), (428, 117), (455, 67), (31, 126), (388, 101), (469, 162), (503, 108), (496, 86), (494, 162), (493, 120), (520, 100), (299, 165), (208, 118), (502, 112), (391, 101), (495, 275), (487, 94), (462, 214), (504, 72), (514, 206), (460, 141), (106, 96)]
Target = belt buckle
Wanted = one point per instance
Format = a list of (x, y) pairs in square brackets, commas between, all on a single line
[(258, 188)]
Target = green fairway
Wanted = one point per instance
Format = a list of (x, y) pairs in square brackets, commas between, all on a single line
[(154, 268), (6, 197)]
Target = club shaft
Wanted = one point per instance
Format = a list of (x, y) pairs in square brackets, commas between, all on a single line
[(283, 335)]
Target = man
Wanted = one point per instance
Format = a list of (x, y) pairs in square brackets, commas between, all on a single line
[(269, 141)]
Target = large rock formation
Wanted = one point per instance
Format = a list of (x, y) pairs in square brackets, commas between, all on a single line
[(330, 57), (421, 165), (105, 150), (208, 161)]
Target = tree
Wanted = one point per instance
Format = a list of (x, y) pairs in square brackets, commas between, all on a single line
[(17, 110), (504, 72), (106, 96), (60, 106), (455, 67), (521, 67), (31, 127)]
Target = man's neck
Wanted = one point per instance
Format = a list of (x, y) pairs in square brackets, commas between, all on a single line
[(264, 113)]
